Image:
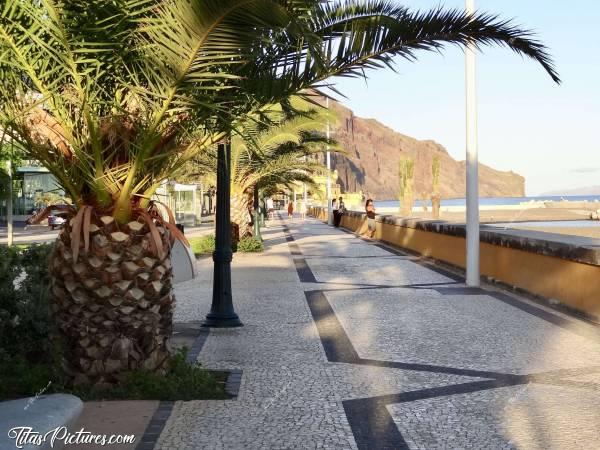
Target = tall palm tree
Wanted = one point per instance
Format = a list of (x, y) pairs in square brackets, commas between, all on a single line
[(269, 153), (281, 167), (113, 96), (284, 164)]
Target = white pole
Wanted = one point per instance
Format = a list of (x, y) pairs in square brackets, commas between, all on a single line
[(329, 211), (472, 163)]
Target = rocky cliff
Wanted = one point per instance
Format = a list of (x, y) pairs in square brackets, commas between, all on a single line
[(373, 152)]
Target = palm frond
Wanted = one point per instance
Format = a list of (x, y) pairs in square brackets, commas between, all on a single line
[(114, 96)]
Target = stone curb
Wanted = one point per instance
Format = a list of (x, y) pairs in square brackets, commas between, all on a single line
[(234, 380)]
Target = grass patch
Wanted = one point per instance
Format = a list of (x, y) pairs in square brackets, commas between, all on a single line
[(183, 381), (204, 245), (250, 245)]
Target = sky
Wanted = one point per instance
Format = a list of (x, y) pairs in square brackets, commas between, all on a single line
[(527, 124)]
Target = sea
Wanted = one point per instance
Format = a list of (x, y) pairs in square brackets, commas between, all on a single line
[(494, 201)]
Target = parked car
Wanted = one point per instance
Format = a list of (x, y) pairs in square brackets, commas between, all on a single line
[(57, 219)]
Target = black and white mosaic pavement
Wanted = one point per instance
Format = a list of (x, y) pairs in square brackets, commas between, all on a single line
[(349, 344)]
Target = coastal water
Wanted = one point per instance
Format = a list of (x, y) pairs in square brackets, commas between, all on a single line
[(494, 201)]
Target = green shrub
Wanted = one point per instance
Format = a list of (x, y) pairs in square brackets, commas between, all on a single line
[(28, 364), (24, 302), (202, 245), (250, 245), (183, 381), (205, 245), (22, 378)]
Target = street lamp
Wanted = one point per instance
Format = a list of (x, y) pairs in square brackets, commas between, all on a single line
[(329, 211), (222, 313), (472, 164)]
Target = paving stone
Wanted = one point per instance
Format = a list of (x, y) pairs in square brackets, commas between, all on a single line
[(401, 364), (522, 417)]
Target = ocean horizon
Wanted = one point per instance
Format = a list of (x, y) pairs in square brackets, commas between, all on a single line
[(495, 201)]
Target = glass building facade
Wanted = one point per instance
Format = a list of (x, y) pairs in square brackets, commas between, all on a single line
[(30, 184)]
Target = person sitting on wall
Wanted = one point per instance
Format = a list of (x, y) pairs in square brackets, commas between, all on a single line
[(337, 218), (370, 209)]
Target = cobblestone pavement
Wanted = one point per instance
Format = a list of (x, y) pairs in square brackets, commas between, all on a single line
[(350, 345)]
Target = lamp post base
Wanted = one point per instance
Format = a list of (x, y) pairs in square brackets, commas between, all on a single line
[(222, 321)]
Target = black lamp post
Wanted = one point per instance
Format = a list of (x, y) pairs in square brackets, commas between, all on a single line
[(222, 314)]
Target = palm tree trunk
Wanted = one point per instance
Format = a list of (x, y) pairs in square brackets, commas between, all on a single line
[(241, 214), (113, 306), (408, 200), (435, 206)]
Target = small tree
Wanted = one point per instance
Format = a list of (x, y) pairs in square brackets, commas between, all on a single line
[(406, 174), (435, 188)]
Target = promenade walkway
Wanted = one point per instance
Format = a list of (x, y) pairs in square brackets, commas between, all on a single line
[(348, 344)]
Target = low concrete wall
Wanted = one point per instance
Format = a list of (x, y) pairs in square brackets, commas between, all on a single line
[(555, 267), (44, 414)]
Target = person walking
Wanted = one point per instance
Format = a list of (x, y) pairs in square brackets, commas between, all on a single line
[(337, 218), (290, 210), (303, 210), (370, 209)]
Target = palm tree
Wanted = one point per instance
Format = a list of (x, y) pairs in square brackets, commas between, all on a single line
[(280, 166), (114, 96), (406, 173), (268, 153)]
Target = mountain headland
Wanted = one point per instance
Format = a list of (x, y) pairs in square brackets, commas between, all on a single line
[(373, 152)]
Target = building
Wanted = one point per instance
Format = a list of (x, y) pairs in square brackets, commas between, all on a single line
[(188, 202), (33, 185)]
